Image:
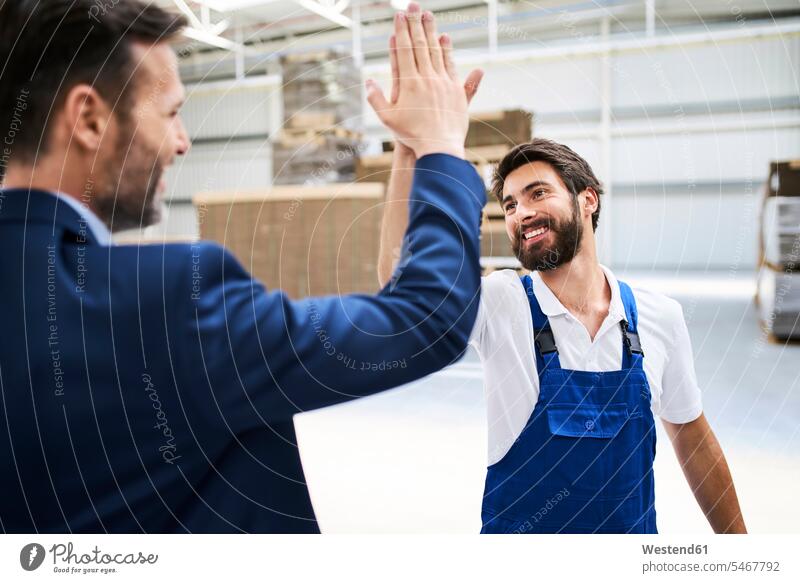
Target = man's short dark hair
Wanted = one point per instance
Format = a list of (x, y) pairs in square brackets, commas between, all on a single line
[(49, 46), (574, 171)]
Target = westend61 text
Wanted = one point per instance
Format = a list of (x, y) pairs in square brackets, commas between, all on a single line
[(675, 550)]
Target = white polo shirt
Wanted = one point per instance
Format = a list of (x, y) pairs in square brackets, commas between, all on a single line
[(503, 337)]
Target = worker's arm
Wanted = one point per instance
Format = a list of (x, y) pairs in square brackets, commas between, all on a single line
[(395, 211), (707, 473)]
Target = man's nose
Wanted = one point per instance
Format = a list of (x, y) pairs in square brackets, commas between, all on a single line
[(184, 143), (525, 212)]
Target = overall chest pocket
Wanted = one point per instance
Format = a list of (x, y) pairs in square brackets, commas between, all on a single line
[(591, 421), (591, 449)]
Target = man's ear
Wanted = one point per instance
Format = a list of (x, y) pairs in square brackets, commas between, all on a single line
[(87, 117), (591, 200)]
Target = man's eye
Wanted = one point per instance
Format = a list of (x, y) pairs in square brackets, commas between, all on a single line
[(539, 193), (511, 206)]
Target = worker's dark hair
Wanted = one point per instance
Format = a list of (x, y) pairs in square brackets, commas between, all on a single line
[(49, 46), (574, 171)]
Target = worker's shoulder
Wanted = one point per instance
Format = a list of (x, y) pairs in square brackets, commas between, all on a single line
[(654, 306), (501, 285), (500, 280)]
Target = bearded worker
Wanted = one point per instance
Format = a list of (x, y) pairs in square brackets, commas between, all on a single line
[(576, 365)]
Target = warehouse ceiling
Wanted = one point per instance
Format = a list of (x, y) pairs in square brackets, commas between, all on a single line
[(259, 31)]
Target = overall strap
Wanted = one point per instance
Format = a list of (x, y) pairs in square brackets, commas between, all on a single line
[(544, 341), (632, 353)]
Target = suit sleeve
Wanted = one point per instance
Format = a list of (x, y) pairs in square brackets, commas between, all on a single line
[(266, 357)]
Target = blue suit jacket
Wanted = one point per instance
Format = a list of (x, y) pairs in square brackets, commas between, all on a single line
[(152, 388)]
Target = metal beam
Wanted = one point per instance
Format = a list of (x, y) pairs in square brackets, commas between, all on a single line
[(581, 49), (358, 52), (225, 85), (202, 30), (492, 4), (713, 36), (230, 5), (650, 17), (240, 68), (208, 38), (189, 13), (606, 248), (325, 12)]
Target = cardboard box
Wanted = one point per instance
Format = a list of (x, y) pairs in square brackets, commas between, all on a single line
[(779, 303), (305, 240), (780, 232), (374, 168), (784, 178), (507, 128)]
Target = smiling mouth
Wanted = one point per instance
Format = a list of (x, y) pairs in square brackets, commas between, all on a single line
[(534, 235)]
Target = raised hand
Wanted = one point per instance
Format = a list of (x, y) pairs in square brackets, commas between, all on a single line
[(427, 110)]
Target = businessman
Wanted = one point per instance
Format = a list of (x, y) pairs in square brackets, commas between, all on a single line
[(577, 365), (152, 388)]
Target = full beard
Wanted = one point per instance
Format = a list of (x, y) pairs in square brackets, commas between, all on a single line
[(567, 235), (129, 199)]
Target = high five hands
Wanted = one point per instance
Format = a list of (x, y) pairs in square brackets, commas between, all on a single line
[(427, 109)]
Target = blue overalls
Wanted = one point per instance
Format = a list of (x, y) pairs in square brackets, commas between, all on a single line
[(584, 461)]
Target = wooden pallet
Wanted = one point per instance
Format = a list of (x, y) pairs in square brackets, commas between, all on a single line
[(313, 57), (311, 121), (303, 136)]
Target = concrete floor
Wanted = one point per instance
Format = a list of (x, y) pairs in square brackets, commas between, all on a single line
[(412, 460)]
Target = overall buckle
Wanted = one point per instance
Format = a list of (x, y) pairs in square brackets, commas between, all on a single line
[(631, 340), (545, 341)]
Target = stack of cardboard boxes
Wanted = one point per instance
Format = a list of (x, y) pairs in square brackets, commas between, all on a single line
[(320, 140), (305, 240), (315, 232), (779, 276)]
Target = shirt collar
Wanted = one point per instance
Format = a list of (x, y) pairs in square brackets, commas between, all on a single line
[(93, 222), (551, 306)]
